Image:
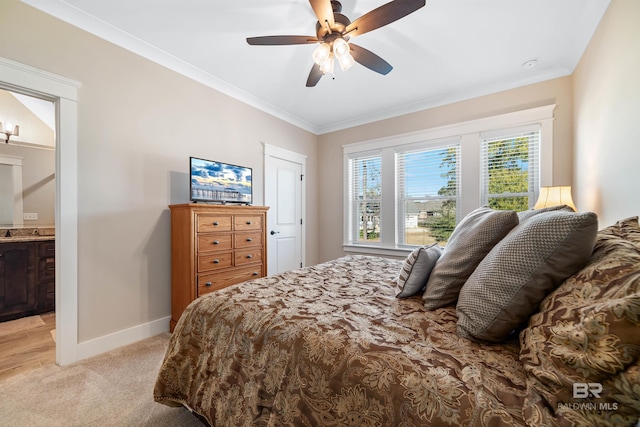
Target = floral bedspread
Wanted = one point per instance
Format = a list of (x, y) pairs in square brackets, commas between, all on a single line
[(330, 345)]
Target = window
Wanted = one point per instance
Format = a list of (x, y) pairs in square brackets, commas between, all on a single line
[(510, 174), (412, 189), (365, 198), (428, 193)]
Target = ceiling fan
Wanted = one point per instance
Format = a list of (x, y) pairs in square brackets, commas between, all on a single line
[(333, 31)]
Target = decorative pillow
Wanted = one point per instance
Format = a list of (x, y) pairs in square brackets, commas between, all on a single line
[(587, 331), (470, 241), (525, 215), (416, 270), (512, 280)]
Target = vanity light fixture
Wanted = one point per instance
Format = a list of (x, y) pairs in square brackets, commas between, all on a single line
[(9, 130)]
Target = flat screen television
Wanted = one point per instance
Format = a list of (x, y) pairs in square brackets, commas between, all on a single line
[(218, 182)]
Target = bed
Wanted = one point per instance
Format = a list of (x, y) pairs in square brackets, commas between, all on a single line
[(331, 345)]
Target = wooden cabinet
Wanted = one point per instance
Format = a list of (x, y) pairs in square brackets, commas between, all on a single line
[(46, 275), (27, 278), (212, 247), (18, 295)]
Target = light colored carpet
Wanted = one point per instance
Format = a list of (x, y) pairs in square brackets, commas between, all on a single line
[(20, 325), (113, 389)]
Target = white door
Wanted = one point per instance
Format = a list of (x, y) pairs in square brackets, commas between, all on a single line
[(283, 195)]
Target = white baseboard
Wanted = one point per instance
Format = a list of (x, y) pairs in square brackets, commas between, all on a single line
[(128, 336)]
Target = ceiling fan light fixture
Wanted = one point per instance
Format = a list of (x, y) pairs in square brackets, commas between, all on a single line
[(341, 48), (346, 61), (328, 66), (321, 53)]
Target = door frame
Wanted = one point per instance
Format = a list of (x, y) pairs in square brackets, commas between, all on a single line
[(272, 152), (64, 92)]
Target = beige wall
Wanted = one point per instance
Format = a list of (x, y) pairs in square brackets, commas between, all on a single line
[(557, 91), (138, 125), (607, 109)]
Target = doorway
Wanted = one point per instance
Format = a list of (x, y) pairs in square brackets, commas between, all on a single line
[(27, 224), (64, 92), (285, 195)]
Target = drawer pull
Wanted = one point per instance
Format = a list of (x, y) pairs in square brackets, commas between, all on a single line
[(249, 256), (249, 222), (216, 242), (249, 239), (216, 261), (208, 284), (255, 273), (216, 223)]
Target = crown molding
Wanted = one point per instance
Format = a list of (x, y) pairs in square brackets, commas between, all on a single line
[(434, 102), (80, 19)]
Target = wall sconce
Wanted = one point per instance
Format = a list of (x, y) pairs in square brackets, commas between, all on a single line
[(555, 196), (9, 130)]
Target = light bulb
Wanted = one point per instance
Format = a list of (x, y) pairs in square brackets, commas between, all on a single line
[(341, 48), (328, 66), (321, 54), (346, 62)]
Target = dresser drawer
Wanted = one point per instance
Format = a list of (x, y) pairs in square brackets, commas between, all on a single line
[(246, 222), (212, 282), (245, 240), (248, 256), (216, 242), (210, 223), (215, 261)]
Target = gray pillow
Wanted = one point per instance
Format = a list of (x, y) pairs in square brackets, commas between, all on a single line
[(416, 269), (470, 241), (525, 215), (512, 280)]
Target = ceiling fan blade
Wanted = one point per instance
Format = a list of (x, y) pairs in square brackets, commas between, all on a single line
[(370, 59), (314, 76), (280, 40), (383, 15), (324, 11)]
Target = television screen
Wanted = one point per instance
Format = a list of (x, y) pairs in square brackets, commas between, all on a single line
[(220, 182)]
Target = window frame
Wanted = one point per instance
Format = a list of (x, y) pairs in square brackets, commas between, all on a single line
[(469, 133)]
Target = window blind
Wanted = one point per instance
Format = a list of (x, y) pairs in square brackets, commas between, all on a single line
[(428, 188), (365, 198), (510, 168)]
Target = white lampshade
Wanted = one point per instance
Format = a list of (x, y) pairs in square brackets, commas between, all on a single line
[(9, 128), (328, 66), (341, 48), (555, 196), (346, 61), (321, 53)]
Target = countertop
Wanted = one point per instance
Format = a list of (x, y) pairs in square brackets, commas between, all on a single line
[(26, 239), (26, 234)]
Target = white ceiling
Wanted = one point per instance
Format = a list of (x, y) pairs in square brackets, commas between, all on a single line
[(447, 51)]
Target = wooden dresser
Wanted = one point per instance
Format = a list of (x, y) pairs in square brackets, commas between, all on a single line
[(212, 247)]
